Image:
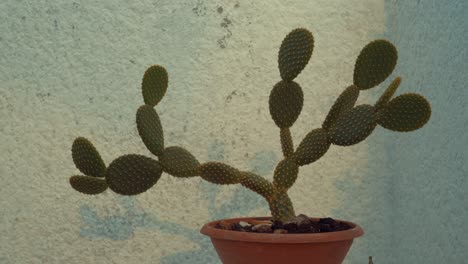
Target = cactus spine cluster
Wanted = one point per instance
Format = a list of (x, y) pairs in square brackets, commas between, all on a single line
[(346, 124)]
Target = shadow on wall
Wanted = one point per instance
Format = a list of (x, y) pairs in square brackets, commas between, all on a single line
[(121, 226)]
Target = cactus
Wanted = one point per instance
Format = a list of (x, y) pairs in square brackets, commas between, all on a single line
[(154, 85), (345, 124), (87, 184), (87, 158)]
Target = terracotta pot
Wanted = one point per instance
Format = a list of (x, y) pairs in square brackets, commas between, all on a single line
[(236, 247)]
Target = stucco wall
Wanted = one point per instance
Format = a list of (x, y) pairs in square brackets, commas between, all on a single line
[(71, 69)]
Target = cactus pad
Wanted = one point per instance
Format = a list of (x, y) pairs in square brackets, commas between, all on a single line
[(88, 185), (405, 113), (87, 158), (314, 145), (353, 126), (179, 162), (285, 174), (133, 174), (387, 95), (150, 129), (220, 173), (258, 184), (286, 142), (286, 100), (295, 52), (343, 103), (374, 64), (154, 85)]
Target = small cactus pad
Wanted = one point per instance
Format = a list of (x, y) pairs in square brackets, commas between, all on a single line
[(88, 185), (285, 174), (353, 126), (343, 103), (220, 173), (295, 52), (405, 113), (179, 162), (133, 174), (281, 207), (258, 184), (286, 142), (374, 64), (150, 129), (314, 145), (387, 95), (286, 100), (87, 158), (154, 85)]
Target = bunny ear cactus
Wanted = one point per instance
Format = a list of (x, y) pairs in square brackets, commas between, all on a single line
[(346, 124)]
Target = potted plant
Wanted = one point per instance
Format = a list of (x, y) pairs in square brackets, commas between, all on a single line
[(283, 237)]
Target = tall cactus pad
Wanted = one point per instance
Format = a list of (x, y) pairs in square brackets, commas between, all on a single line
[(88, 185), (179, 162), (286, 142), (387, 95), (353, 126), (285, 174), (87, 158), (281, 207), (133, 174), (343, 103), (314, 145), (295, 52), (405, 113), (154, 85), (374, 64), (258, 184), (150, 129), (286, 100), (220, 173)]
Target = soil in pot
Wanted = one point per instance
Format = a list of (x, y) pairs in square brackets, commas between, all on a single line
[(301, 224)]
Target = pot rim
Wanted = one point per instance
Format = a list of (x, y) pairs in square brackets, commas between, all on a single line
[(210, 230)]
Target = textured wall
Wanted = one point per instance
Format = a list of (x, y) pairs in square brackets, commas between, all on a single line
[(72, 69), (418, 181), (429, 168)]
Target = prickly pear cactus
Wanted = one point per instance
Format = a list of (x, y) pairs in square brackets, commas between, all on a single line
[(345, 124)]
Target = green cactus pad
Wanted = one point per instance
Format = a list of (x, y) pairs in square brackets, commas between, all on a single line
[(405, 113), (220, 173), (154, 85), (286, 142), (285, 174), (88, 185), (150, 129), (133, 174), (374, 64), (353, 126), (314, 145), (179, 162), (286, 100), (387, 95), (281, 207), (343, 103), (258, 184), (87, 158), (295, 52)]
